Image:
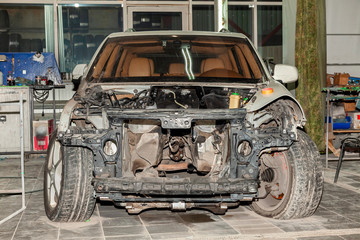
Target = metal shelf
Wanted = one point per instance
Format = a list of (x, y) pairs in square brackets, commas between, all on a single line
[(347, 131), (330, 92)]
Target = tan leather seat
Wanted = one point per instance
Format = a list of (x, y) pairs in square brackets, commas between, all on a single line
[(140, 67), (211, 63), (177, 69), (152, 68)]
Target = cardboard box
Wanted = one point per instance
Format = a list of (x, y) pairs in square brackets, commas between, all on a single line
[(330, 80), (341, 79), (349, 106)]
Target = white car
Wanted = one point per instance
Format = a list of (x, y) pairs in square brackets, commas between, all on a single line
[(182, 120)]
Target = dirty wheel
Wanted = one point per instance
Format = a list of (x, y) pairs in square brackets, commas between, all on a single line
[(291, 182), (68, 193)]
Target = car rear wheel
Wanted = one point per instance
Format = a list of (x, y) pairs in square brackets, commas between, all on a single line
[(68, 193), (291, 182)]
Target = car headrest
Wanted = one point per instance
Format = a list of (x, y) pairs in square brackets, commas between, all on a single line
[(211, 63), (177, 68), (139, 67)]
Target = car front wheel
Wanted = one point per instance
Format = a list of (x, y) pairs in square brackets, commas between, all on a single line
[(291, 182), (68, 193)]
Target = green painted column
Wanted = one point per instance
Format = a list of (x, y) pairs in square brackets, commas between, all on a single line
[(310, 59)]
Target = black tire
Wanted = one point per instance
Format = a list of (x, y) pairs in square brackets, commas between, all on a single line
[(4, 21), (79, 48), (99, 39), (90, 46), (36, 45), (84, 20), (68, 193), (4, 42), (74, 19), (300, 196), (14, 42), (25, 45), (65, 17)]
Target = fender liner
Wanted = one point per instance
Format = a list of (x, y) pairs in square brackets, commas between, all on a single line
[(259, 100)]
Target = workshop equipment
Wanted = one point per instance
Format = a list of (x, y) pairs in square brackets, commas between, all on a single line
[(23, 65), (10, 121), (6, 103)]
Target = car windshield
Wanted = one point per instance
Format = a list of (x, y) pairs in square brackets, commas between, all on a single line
[(176, 59)]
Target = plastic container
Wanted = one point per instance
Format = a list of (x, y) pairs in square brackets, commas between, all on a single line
[(344, 124), (234, 101), (10, 79)]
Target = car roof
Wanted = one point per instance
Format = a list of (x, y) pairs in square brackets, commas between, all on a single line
[(177, 33)]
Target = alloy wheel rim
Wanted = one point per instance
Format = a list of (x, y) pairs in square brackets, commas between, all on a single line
[(275, 192), (54, 175)]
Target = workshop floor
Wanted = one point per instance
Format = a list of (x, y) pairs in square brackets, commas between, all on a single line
[(337, 217)]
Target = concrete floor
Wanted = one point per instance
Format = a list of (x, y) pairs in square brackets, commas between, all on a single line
[(338, 216)]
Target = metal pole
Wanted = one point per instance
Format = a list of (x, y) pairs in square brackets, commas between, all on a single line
[(221, 14), (22, 148), (255, 24), (54, 110), (327, 126), (56, 32)]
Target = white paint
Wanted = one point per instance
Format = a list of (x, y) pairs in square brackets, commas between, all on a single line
[(343, 36), (343, 49), (342, 17)]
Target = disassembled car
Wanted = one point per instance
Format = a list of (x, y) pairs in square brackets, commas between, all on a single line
[(182, 120)]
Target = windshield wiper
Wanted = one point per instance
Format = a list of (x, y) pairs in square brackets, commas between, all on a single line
[(188, 63)]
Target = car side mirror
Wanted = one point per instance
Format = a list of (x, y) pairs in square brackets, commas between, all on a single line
[(78, 71), (285, 73), (77, 74)]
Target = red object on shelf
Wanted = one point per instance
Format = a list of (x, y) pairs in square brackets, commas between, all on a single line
[(41, 143)]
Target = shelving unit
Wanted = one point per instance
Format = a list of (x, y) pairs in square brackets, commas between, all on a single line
[(332, 95)]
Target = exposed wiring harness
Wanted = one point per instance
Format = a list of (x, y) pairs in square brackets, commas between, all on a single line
[(183, 106), (138, 101), (40, 96)]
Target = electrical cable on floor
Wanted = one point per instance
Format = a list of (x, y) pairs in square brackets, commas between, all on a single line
[(18, 177), (19, 193)]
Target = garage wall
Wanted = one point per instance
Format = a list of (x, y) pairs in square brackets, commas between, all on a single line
[(343, 36)]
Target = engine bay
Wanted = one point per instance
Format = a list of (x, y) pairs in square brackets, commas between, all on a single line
[(164, 97), (198, 147)]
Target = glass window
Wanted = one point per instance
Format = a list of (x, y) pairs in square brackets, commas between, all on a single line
[(176, 58), (240, 20), (270, 32), (203, 18), (84, 28), (152, 21), (22, 28)]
